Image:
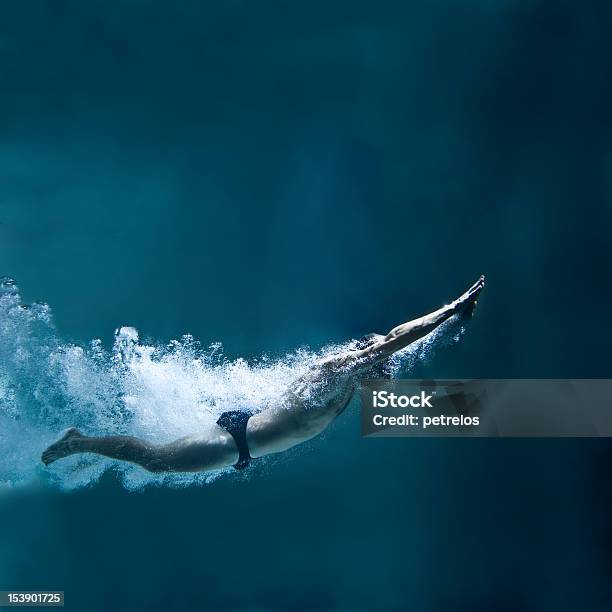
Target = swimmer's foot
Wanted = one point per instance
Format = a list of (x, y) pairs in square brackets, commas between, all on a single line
[(467, 302), (63, 447)]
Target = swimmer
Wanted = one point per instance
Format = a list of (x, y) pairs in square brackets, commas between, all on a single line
[(306, 408)]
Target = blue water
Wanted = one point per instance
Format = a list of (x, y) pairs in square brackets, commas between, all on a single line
[(281, 178)]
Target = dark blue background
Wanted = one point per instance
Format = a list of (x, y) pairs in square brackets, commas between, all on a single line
[(274, 174)]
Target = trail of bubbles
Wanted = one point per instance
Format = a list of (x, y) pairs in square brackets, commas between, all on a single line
[(155, 392)]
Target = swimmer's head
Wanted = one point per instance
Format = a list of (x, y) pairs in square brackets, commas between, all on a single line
[(367, 340), (380, 370)]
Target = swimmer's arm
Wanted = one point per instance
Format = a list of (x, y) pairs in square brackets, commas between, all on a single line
[(407, 333)]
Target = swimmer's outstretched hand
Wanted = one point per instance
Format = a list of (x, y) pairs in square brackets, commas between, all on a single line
[(466, 304)]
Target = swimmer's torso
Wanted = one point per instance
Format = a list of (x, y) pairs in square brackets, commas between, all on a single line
[(305, 409)]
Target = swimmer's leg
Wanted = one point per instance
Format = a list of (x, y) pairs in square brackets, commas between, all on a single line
[(214, 450)]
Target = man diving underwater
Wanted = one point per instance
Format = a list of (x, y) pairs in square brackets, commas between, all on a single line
[(306, 408)]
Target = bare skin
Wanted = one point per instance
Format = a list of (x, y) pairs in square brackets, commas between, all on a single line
[(308, 406)]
